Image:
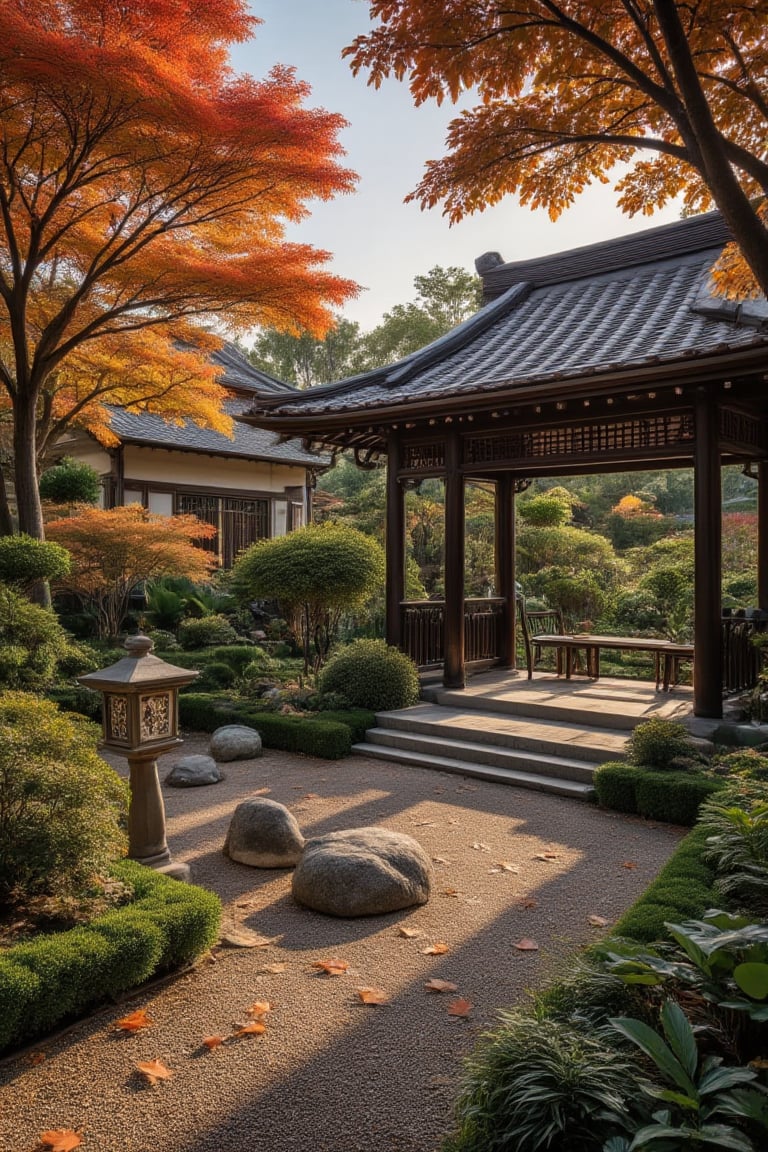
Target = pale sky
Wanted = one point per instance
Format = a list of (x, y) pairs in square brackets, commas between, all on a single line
[(375, 239)]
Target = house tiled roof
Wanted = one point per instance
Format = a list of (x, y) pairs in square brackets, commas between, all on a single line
[(626, 304), (247, 442)]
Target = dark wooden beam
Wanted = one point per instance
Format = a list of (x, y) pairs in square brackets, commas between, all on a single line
[(453, 666), (394, 543), (762, 535), (708, 662), (505, 567)]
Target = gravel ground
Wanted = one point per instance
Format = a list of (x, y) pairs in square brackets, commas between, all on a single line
[(332, 1074)]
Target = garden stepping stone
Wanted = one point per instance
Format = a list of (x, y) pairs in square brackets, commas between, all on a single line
[(263, 834), (194, 772), (235, 742), (362, 872)]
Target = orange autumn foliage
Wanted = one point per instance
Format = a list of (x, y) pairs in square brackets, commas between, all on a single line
[(154, 1070), (672, 92), (60, 1140), (135, 1021), (115, 550), (145, 190)]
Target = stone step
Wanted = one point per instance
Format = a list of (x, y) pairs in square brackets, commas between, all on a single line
[(572, 741), (601, 711), (474, 752), (575, 789)]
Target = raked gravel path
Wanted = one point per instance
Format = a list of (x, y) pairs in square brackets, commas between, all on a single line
[(331, 1074)]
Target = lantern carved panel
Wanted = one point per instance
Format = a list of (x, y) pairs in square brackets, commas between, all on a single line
[(117, 718), (155, 716)]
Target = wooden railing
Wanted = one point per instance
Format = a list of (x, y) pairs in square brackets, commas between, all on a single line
[(742, 661), (423, 629)]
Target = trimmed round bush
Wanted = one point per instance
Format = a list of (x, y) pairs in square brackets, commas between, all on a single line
[(61, 806), (31, 642), (24, 559), (206, 632), (71, 482), (372, 674), (216, 674), (238, 656), (657, 742)]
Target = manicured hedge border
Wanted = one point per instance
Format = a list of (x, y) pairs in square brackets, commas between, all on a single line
[(327, 738), (673, 797), (59, 976)]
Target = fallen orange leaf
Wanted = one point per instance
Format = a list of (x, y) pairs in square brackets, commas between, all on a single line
[(526, 945), (450, 891), (460, 1008), (333, 967), (211, 1042), (629, 864), (60, 1139), (409, 933), (372, 995), (260, 1008), (36, 1058), (438, 949), (598, 921), (255, 1028), (529, 903), (154, 1070), (436, 985), (135, 1022)]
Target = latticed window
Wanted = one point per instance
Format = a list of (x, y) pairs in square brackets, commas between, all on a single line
[(207, 509), (243, 523)]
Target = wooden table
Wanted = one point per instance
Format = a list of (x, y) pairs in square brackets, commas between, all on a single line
[(667, 654)]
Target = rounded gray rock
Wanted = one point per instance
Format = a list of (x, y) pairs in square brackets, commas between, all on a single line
[(194, 772), (235, 742), (362, 872), (263, 834)]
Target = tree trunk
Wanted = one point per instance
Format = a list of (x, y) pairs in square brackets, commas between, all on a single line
[(7, 526), (28, 504)]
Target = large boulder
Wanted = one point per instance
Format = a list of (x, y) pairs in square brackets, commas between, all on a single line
[(193, 772), (362, 872), (263, 834), (235, 742)]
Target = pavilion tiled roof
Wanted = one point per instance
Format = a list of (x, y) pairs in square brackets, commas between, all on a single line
[(248, 383), (635, 302)]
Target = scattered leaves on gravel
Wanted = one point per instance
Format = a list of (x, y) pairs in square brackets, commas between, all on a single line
[(135, 1021), (408, 933), (372, 995), (260, 1008), (244, 938), (526, 945), (212, 1042), (436, 985), (460, 1008), (154, 1070), (598, 921), (255, 1028), (548, 856), (480, 847), (438, 949), (60, 1140), (629, 865), (333, 967), (529, 902)]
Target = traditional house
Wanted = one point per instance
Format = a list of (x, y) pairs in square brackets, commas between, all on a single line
[(610, 357), (253, 486)]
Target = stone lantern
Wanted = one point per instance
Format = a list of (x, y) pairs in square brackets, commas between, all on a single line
[(140, 710)]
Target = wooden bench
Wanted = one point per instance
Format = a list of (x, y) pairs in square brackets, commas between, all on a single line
[(668, 655)]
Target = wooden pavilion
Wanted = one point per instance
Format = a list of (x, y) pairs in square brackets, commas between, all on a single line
[(610, 357)]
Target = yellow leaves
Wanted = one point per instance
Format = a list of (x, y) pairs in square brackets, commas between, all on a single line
[(154, 1071), (260, 1008), (135, 1022), (255, 1028), (438, 949), (213, 1042), (60, 1140), (460, 1007)]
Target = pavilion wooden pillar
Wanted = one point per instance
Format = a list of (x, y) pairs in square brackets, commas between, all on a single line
[(394, 544), (708, 664), (762, 535), (453, 629), (505, 568)]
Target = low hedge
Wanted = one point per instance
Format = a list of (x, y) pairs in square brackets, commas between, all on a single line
[(683, 890), (327, 738), (674, 797), (60, 975)]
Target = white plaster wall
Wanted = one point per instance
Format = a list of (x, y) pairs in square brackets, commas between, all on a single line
[(172, 468)]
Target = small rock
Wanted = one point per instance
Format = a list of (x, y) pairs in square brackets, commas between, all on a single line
[(235, 742), (741, 735), (193, 772), (702, 746), (362, 872), (263, 834)]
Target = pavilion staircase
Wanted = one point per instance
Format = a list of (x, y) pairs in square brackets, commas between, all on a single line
[(545, 740)]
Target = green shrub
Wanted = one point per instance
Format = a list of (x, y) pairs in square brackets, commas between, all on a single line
[(70, 482), (23, 559), (673, 796), (685, 875), (541, 1086), (321, 738), (216, 674), (31, 641), (201, 712), (206, 632), (372, 674), (73, 698), (163, 640), (746, 762), (52, 978), (737, 847), (77, 659), (238, 656), (655, 743), (61, 805), (358, 720), (615, 784)]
